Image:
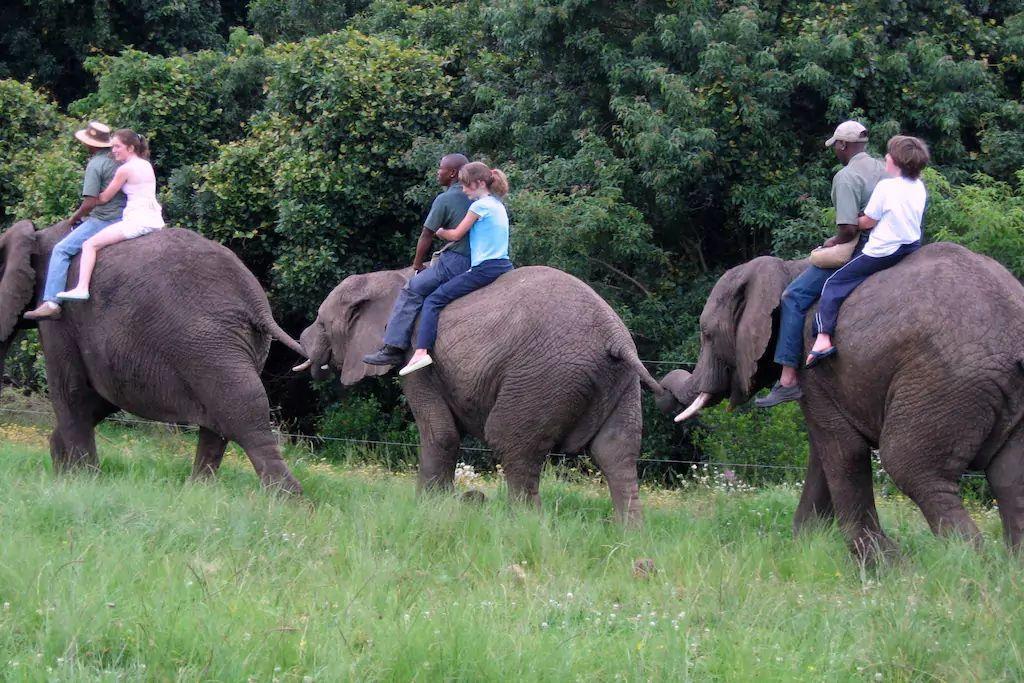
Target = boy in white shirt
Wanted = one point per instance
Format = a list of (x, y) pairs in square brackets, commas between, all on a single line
[(893, 215)]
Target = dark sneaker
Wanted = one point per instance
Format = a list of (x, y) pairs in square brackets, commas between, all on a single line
[(780, 394), (385, 355)]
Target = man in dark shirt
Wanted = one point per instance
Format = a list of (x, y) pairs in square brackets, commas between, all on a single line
[(447, 211)]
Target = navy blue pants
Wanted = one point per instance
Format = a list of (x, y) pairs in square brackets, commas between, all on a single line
[(842, 283), (473, 279)]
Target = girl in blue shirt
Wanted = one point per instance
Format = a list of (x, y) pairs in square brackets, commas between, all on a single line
[(487, 223)]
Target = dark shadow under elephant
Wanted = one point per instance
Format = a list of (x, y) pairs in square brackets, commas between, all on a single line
[(177, 329), (930, 371), (534, 362)]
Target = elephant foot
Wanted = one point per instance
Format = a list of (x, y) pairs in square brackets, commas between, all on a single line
[(875, 549), (474, 497), (286, 485)]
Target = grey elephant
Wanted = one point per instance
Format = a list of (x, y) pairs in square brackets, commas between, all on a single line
[(177, 330), (930, 371), (534, 362)]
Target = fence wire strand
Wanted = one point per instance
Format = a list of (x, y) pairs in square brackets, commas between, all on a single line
[(473, 449)]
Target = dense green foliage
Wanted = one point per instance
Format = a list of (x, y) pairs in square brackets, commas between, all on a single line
[(650, 145), (131, 574)]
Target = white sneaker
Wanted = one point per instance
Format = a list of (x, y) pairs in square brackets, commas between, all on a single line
[(416, 365), (72, 295)]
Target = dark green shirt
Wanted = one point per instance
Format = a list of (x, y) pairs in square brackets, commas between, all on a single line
[(98, 174), (447, 211), (853, 185)]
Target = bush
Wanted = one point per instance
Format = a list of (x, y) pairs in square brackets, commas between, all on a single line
[(986, 216), (361, 418), (314, 192), (29, 122), (772, 443)]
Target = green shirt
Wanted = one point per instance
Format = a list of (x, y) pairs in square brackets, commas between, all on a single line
[(447, 211), (98, 174), (853, 185)]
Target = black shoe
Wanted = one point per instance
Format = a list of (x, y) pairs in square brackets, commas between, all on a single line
[(780, 394), (385, 355)]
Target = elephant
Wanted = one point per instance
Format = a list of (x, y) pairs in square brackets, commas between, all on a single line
[(177, 329), (930, 371), (533, 362)]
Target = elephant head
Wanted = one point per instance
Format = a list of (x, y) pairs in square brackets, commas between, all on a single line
[(350, 324), (737, 326), (17, 277)]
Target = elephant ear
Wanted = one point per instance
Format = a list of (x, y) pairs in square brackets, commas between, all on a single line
[(762, 283), (17, 277), (356, 314)]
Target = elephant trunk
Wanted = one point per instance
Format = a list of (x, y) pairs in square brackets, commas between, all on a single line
[(317, 346)]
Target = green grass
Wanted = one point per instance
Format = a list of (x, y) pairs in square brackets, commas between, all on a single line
[(134, 574)]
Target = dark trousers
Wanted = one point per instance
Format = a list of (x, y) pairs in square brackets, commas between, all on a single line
[(473, 279), (842, 283)]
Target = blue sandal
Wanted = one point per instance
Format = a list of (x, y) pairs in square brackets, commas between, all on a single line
[(818, 356)]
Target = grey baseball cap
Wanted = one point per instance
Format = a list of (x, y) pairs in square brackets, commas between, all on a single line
[(848, 131)]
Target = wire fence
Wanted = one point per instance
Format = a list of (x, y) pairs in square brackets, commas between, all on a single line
[(314, 438)]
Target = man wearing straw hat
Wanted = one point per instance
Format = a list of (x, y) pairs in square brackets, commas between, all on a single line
[(98, 173)]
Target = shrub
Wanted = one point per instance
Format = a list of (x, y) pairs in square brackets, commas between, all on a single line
[(356, 418), (29, 122)]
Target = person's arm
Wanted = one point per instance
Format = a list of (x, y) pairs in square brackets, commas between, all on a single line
[(423, 245), (874, 210), (844, 198), (115, 185), (459, 231), (84, 209)]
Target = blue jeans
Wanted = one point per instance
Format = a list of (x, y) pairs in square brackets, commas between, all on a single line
[(798, 298), (410, 299), (842, 283), (60, 259), (476, 277)]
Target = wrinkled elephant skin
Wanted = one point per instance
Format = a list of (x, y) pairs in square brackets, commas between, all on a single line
[(176, 330), (929, 371)]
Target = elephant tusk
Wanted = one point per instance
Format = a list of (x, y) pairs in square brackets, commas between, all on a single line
[(325, 366), (302, 367), (694, 408)]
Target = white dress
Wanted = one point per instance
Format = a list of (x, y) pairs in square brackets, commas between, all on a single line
[(142, 213)]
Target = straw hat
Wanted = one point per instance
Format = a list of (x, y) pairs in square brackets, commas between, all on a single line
[(96, 134)]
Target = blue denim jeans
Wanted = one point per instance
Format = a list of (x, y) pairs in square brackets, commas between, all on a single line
[(60, 259), (480, 275), (798, 298), (410, 299)]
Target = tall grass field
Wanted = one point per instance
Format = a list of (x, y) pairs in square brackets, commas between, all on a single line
[(135, 574)]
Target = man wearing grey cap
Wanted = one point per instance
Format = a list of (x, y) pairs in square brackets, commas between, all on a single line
[(851, 189)]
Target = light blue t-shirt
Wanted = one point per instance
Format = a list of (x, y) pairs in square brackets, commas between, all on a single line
[(488, 238)]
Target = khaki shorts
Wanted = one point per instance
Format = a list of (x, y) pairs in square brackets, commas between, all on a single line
[(132, 230)]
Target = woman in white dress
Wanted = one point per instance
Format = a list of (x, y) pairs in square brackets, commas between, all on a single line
[(142, 214)]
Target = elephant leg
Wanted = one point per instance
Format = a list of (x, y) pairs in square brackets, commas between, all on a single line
[(845, 457), (815, 505), (518, 435), (929, 473), (522, 467), (73, 440), (615, 449), (209, 454), (439, 446), (265, 455), (1006, 477)]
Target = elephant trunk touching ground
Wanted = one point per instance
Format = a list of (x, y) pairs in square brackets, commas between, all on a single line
[(928, 372), (176, 330), (534, 362)]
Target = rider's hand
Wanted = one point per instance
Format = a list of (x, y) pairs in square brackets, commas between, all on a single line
[(831, 242), (417, 266)]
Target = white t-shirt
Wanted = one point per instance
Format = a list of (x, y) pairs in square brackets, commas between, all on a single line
[(898, 205)]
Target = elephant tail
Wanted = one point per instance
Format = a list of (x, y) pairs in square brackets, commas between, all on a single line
[(627, 353), (280, 335)]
